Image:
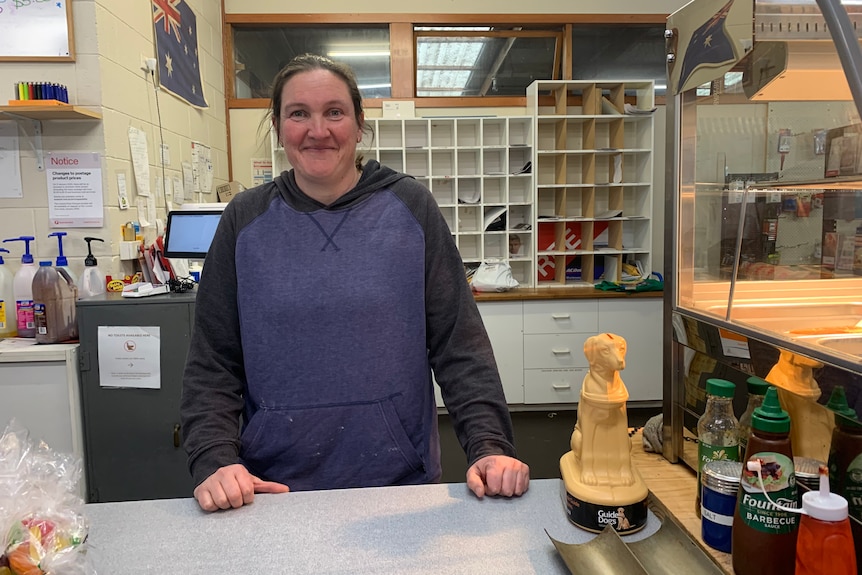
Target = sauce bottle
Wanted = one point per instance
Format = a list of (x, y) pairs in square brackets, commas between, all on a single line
[(845, 461), (756, 390), (764, 537), (54, 300), (717, 429), (825, 544)]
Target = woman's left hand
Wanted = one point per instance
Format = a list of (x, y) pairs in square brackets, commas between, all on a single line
[(498, 475)]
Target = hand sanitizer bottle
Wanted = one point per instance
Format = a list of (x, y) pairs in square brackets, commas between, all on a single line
[(8, 321), (22, 286), (92, 280)]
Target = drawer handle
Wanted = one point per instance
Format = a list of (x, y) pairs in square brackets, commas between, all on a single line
[(561, 386), (561, 315), (562, 351)]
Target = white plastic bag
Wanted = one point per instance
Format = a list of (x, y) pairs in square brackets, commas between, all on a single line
[(494, 276)]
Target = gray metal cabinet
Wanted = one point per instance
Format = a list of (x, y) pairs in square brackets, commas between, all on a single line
[(132, 437)]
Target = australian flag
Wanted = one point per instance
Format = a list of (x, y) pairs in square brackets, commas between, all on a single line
[(177, 51), (710, 46)]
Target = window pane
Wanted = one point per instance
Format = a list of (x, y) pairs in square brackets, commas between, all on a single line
[(260, 52), (481, 65), (601, 52)]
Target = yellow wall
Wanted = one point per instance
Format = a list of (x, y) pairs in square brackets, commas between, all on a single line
[(111, 36)]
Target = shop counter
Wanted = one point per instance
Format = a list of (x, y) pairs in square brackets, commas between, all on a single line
[(427, 529)]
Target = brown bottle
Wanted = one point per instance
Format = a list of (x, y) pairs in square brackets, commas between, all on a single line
[(845, 462), (764, 537)]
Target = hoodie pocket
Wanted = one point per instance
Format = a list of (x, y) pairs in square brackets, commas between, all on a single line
[(332, 446)]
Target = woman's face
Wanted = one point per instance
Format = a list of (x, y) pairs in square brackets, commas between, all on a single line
[(319, 129)]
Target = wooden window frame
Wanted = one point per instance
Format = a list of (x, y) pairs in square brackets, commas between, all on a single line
[(402, 40)]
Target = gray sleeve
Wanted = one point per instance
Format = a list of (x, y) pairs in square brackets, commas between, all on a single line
[(214, 379), (458, 345)]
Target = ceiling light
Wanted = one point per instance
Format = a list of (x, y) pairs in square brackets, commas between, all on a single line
[(373, 86), (359, 54)]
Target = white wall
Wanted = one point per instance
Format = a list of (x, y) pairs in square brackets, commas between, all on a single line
[(111, 36)]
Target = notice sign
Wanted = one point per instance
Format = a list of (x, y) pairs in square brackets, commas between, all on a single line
[(74, 190), (129, 356)]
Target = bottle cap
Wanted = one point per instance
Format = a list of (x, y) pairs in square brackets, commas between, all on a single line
[(822, 504), (756, 385), (45, 264), (720, 387), (1, 257), (769, 416), (838, 403)]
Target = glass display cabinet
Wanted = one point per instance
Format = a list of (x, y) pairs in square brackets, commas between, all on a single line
[(764, 211)]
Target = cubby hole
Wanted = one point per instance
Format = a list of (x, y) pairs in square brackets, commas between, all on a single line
[(520, 191), (389, 135), (417, 162), (470, 246), (468, 162), (416, 133), (442, 163), (443, 190), (493, 133), (468, 133), (494, 190), (393, 159), (442, 133), (469, 190), (494, 161)]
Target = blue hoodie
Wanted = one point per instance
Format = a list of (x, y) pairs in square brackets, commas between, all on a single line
[(320, 325)]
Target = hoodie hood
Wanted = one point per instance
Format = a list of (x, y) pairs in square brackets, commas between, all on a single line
[(374, 177)]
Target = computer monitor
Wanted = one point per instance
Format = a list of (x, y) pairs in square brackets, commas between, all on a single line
[(189, 233)]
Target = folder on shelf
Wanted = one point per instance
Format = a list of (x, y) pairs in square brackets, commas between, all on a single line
[(492, 215)]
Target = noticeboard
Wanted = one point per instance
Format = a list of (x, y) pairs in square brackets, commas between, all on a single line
[(36, 30)]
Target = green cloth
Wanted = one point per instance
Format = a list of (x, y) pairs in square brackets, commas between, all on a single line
[(648, 284)]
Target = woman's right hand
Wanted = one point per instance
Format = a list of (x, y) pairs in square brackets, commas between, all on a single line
[(233, 486)]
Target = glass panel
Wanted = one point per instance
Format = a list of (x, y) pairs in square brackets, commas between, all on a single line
[(260, 52), (475, 65), (609, 52)]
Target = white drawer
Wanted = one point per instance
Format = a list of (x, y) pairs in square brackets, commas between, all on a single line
[(553, 385), (555, 351), (561, 316)]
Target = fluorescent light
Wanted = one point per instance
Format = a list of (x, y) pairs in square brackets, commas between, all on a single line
[(359, 54), (373, 86)]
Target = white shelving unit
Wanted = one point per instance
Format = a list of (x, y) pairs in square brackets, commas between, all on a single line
[(475, 169), (593, 164)]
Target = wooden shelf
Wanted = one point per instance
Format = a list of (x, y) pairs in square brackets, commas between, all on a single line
[(68, 112)]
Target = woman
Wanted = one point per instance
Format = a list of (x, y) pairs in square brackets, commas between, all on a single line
[(329, 296)]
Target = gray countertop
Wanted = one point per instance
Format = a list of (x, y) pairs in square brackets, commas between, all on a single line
[(425, 529)]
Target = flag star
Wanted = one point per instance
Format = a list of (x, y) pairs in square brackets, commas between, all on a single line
[(707, 41), (186, 48), (190, 31), (194, 90), (169, 65)]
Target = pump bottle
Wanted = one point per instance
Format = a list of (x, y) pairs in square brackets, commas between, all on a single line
[(92, 280), (8, 322), (62, 262), (22, 287)]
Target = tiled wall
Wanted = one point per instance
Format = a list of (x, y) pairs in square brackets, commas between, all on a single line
[(111, 36)]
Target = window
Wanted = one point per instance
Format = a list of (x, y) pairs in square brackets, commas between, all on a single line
[(261, 51), (483, 61)]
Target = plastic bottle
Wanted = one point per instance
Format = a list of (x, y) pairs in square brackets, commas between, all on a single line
[(8, 321), (92, 280), (764, 537), (54, 297), (22, 287), (845, 461), (62, 262), (825, 544), (717, 428)]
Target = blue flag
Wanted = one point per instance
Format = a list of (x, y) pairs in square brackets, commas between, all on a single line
[(177, 51)]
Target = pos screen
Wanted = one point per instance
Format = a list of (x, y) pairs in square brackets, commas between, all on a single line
[(190, 233)]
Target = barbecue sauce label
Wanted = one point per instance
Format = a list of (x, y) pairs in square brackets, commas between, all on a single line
[(779, 481)]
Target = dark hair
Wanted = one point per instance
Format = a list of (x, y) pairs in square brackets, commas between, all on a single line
[(308, 63)]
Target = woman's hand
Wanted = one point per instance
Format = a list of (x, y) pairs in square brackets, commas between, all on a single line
[(498, 475), (233, 486)]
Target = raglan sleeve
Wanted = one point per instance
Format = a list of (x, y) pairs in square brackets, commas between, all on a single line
[(214, 376)]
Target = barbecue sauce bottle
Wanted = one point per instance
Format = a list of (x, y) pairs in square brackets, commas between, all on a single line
[(764, 537)]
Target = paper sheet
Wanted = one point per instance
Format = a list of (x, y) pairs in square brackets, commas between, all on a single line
[(129, 357), (75, 197), (179, 194), (140, 160), (188, 181)]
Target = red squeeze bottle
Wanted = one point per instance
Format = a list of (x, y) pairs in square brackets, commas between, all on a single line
[(825, 543)]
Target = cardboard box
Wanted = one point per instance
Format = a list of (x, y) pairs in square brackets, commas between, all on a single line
[(843, 151), (227, 191)]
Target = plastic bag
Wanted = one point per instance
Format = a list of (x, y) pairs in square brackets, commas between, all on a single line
[(494, 277), (42, 529)]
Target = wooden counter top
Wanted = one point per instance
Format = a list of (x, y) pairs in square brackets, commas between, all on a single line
[(586, 292), (674, 485)]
